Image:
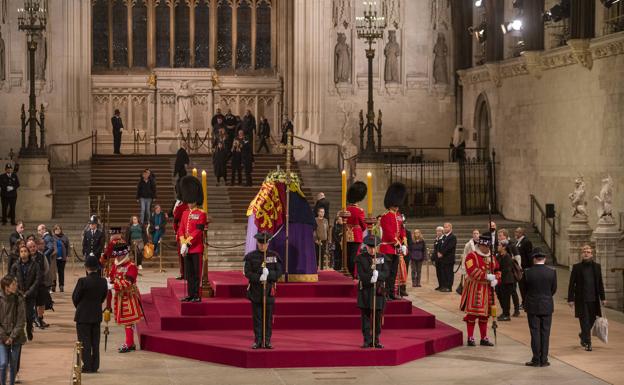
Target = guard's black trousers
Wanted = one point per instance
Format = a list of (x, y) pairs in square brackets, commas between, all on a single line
[(367, 327), (89, 336), (191, 273), (393, 264), (352, 252), (539, 325), (256, 309), (116, 142), (263, 144), (8, 209)]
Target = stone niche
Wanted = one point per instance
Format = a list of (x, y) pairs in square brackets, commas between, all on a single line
[(183, 100)]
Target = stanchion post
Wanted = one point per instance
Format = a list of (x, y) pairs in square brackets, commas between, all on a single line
[(160, 269)]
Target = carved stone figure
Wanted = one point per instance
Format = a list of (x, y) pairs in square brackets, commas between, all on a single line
[(342, 60), (605, 211), (41, 57), (2, 61), (184, 98), (440, 68), (392, 52), (577, 198)]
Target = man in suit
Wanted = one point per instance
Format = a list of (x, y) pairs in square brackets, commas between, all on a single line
[(437, 243), (247, 156), (18, 235), (92, 239), (586, 294), (264, 133), (9, 183), (525, 248), (117, 131), (88, 296), (446, 255), (541, 285)]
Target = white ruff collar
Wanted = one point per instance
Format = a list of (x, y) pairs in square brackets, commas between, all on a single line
[(124, 260), (481, 254)]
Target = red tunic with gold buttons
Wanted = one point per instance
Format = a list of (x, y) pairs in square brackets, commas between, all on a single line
[(477, 297), (127, 308), (191, 230), (393, 233), (355, 223)]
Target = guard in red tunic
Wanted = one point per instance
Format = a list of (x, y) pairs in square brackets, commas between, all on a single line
[(355, 223), (393, 236), (477, 298), (178, 209), (127, 305), (191, 236), (107, 258)]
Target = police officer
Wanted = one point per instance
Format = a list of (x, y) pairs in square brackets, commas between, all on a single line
[(262, 268), (93, 239), (88, 296), (372, 273), (9, 184)]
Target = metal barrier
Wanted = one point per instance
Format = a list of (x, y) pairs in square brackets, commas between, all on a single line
[(313, 150), (476, 180), (425, 187), (76, 374)]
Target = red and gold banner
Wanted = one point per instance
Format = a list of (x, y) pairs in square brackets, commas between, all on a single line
[(267, 207)]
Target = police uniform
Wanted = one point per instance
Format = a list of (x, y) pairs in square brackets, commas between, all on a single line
[(477, 298), (92, 240), (364, 264), (255, 265), (191, 236), (9, 183), (355, 224)]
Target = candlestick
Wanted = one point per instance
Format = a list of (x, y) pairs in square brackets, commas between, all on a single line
[(369, 182), (205, 189), (344, 190), (195, 172)]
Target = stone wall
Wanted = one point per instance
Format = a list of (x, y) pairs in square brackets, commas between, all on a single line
[(330, 90), (554, 116)]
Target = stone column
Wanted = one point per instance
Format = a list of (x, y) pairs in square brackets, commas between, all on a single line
[(34, 196), (607, 237), (579, 233)]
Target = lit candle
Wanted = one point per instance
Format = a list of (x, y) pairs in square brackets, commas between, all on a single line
[(344, 190), (369, 182), (205, 189), (195, 172)]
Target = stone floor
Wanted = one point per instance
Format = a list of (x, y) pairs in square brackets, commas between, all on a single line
[(48, 359)]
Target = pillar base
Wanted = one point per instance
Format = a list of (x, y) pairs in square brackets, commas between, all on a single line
[(34, 196)]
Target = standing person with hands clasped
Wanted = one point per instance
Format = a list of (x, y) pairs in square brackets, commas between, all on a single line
[(263, 268), (89, 294)]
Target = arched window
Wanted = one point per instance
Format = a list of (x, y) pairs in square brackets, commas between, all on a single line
[(100, 33), (263, 34), (229, 35), (120, 34)]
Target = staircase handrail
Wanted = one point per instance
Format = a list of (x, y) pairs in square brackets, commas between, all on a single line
[(544, 222), (75, 156), (312, 150)]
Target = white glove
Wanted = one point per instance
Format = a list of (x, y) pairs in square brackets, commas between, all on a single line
[(265, 271), (184, 249), (9, 188), (494, 283), (490, 277), (404, 250), (263, 277), (375, 276)]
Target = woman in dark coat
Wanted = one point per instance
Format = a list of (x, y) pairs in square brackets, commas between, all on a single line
[(237, 162), (586, 294), (219, 162), (508, 281)]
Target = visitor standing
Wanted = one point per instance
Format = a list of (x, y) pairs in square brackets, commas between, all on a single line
[(61, 245), (117, 131), (146, 193), (9, 183)]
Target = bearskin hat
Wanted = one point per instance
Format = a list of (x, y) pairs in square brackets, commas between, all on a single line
[(356, 192), (191, 190), (395, 195)]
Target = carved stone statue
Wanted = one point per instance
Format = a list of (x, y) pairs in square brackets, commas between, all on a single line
[(577, 198), (2, 60), (605, 211), (392, 52), (184, 98), (41, 57), (342, 60), (440, 68)]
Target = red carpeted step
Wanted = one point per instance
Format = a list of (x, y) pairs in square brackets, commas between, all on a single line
[(301, 348), (311, 328)]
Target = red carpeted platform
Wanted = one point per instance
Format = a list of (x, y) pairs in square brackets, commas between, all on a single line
[(315, 325)]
